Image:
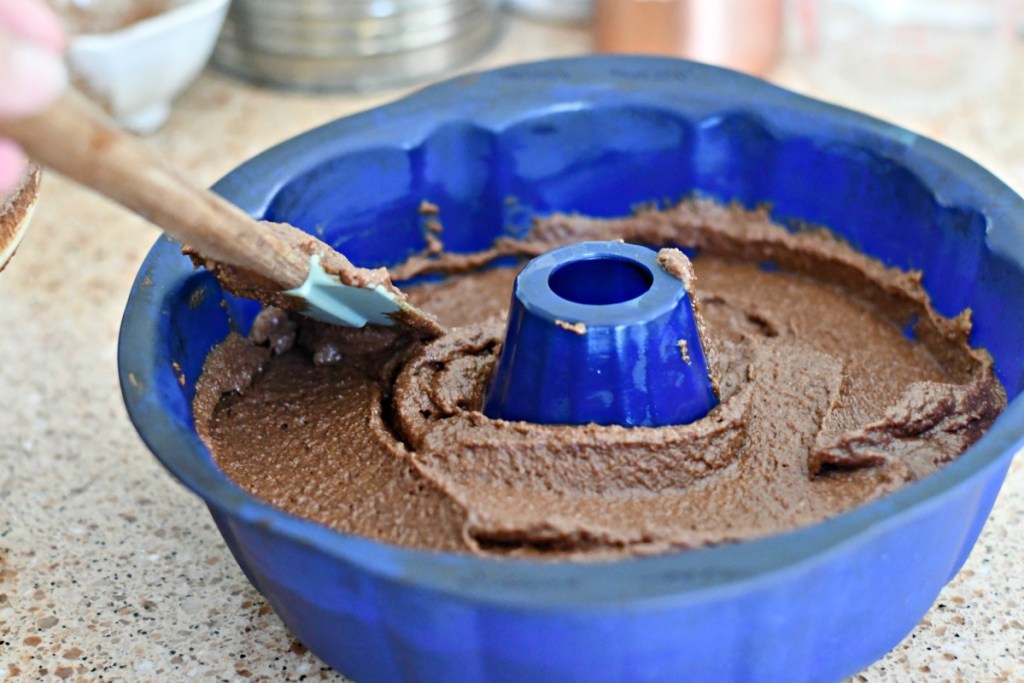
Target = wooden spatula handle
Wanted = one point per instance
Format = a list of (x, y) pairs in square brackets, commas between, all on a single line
[(78, 140)]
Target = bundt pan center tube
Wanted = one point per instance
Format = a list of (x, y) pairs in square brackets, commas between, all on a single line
[(599, 136), (603, 332)]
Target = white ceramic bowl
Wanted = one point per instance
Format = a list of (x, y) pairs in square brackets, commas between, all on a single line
[(136, 72)]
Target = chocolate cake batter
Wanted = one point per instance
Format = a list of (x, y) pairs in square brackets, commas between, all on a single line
[(15, 211), (839, 384)]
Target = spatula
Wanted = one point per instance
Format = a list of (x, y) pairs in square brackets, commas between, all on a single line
[(274, 262)]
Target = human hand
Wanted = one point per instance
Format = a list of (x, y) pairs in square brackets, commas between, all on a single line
[(32, 72)]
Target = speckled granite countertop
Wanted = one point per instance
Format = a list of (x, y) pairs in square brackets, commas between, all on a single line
[(109, 570)]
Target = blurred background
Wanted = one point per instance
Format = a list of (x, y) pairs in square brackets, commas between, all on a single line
[(916, 62), (921, 55)]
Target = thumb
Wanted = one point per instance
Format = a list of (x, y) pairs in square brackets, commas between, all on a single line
[(31, 76)]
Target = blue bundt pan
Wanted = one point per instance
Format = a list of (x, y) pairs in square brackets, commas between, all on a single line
[(599, 135)]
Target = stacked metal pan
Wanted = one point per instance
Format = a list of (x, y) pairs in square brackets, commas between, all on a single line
[(352, 44), (555, 10)]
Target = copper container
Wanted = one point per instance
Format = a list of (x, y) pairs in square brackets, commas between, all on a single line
[(745, 35)]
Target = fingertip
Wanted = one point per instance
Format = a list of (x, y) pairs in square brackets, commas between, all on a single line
[(35, 21), (50, 30), (32, 76)]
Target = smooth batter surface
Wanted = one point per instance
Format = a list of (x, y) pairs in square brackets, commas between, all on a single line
[(826, 404)]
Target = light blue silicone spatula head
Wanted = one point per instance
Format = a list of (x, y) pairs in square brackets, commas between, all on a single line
[(330, 300), (323, 284)]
